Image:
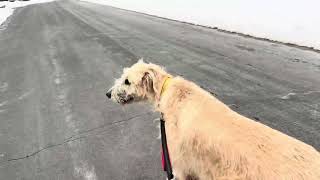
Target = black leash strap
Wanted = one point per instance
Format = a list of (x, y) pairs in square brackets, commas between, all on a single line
[(167, 162)]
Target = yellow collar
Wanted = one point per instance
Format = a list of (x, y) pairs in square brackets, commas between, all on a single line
[(165, 85)]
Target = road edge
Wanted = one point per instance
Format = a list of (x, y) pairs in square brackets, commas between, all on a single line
[(301, 47)]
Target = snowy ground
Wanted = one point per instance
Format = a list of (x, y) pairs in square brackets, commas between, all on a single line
[(10, 6), (292, 21)]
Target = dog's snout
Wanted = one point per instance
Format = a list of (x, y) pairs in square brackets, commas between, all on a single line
[(108, 94)]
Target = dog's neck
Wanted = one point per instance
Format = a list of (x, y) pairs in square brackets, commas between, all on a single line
[(163, 85)]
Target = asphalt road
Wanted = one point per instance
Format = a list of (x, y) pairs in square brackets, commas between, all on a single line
[(58, 59)]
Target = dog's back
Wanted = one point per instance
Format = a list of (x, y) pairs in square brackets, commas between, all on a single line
[(214, 142)]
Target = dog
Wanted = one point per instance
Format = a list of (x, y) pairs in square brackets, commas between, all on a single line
[(206, 139)]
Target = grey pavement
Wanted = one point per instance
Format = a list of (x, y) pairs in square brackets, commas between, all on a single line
[(58, 59)]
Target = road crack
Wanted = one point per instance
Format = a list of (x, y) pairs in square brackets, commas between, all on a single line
[(81, 135)]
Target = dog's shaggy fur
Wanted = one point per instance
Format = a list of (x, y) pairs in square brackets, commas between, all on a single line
[(207, 140)]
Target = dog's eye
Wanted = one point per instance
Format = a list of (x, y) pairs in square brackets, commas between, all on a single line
[(127, 82)]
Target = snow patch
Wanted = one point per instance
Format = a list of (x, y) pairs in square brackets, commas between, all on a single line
[(57, 81), (3, 103), (3, 87), (24, 95), (69, 118), (87, 172), (316, 111), (293, 94), (288, 96), (10, 6), (62, 96), (291, 21)]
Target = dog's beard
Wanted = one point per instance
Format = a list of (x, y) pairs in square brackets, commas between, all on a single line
[(125, 99)]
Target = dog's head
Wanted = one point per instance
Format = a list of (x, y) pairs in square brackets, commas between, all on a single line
[(141, 81)]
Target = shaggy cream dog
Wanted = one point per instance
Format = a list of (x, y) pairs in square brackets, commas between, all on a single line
[(207, 140)]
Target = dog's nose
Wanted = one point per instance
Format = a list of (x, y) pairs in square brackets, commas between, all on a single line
[(109, 94)]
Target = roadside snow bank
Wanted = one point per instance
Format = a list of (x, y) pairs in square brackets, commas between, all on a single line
[(291, 21), (4, 12), (10, 6)]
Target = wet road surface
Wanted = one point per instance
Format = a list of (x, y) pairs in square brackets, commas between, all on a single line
[(58, 59)]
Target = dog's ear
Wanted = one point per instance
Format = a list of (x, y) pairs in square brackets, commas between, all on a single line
[(147, 82), (140, 60), (151, 81)]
